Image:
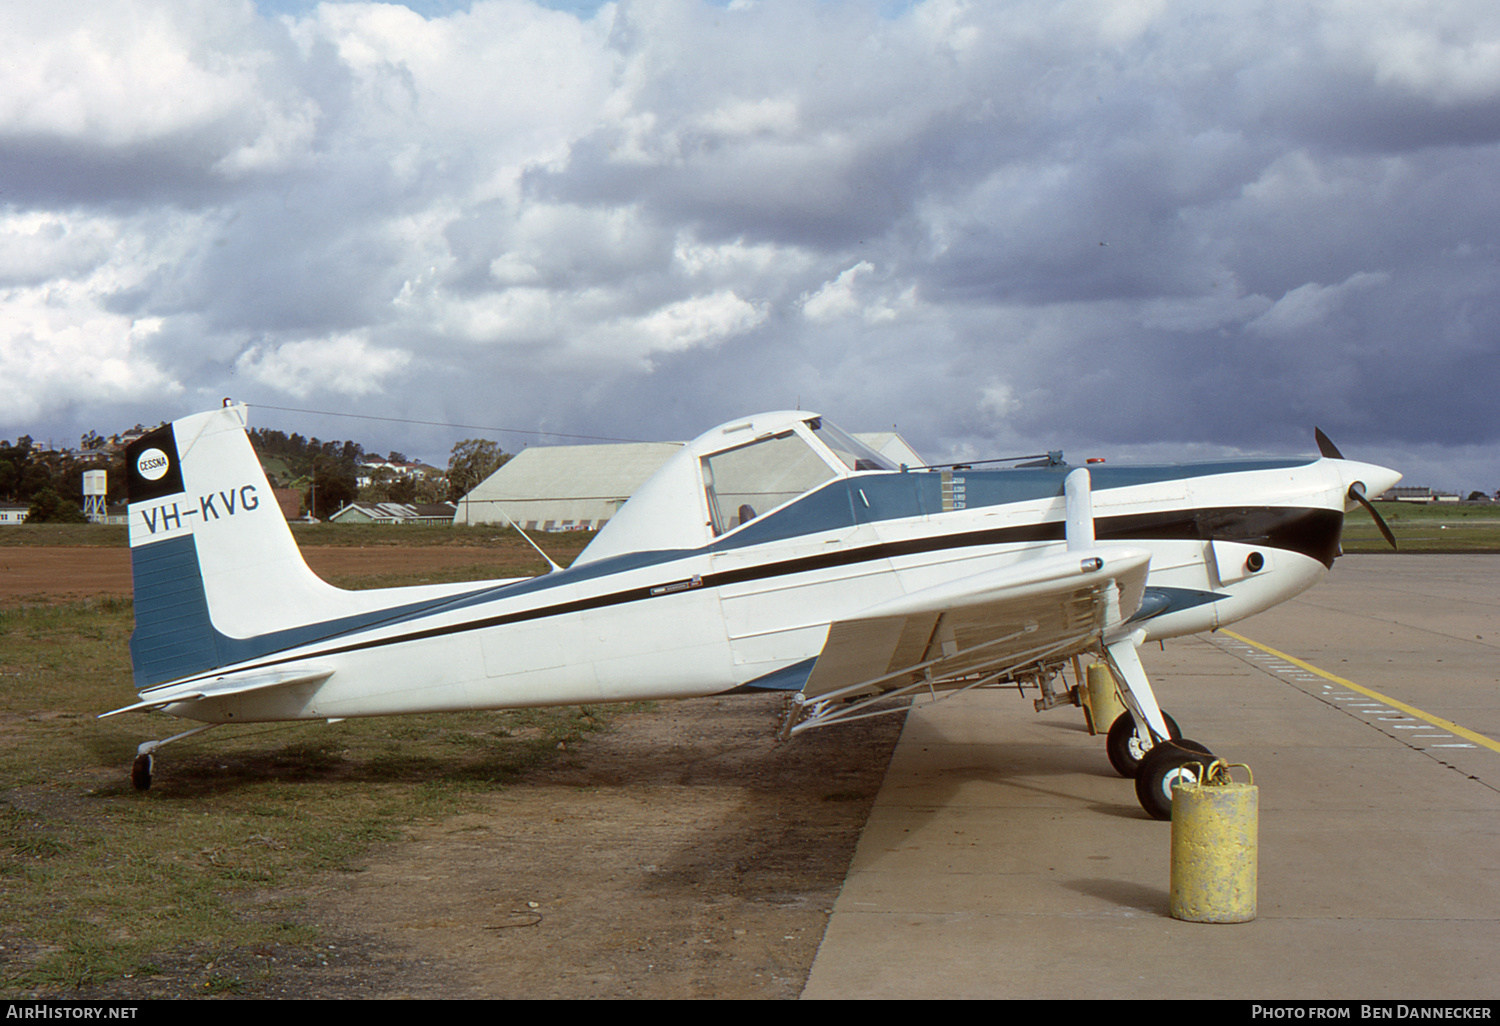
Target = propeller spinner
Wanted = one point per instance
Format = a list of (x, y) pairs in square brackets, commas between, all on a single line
[(1356, 492)]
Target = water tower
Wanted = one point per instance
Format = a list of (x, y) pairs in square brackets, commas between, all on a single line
[(94, 488)]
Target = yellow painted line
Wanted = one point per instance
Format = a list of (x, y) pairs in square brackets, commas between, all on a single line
[(1436, 721)]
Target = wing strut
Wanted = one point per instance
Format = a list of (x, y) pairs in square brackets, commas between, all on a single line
[(1079, 496)]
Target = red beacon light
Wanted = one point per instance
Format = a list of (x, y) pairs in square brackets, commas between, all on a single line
[(1094, 459)]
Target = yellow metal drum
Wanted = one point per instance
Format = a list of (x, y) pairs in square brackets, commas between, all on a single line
[(1104, 705), (1215, 824)]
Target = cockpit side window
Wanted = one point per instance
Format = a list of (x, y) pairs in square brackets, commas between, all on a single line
[(745, 482), (855, 454)]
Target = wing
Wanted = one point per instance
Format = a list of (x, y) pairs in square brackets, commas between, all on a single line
[(978, 628), (223, 686)]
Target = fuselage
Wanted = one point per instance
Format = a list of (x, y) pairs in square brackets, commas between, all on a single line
[(748, 607)]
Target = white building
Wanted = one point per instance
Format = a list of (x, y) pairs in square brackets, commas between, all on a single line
[(579, 487), (563, 487), (372, 468)]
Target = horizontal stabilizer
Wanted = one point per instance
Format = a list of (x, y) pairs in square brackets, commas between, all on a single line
[(224, 686)]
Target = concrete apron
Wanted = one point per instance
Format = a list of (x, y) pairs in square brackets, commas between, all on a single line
[(1004, 858)]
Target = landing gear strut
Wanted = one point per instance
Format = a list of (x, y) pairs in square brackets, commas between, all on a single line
[(1145, 743)]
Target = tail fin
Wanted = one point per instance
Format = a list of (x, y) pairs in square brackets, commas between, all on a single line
[(213, 560)]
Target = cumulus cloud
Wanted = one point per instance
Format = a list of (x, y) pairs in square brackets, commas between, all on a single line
[(61, 353), (845, 297), (699, 320), (344, 365), (1309, 307), (1221, 223)]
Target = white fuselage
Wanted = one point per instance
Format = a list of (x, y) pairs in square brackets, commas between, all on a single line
[(682, 623)]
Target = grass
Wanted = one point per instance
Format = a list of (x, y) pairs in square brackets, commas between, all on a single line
[(114, 535), (1429, 528), (105, 891)]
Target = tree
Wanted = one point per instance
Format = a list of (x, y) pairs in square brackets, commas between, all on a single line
[(35, 479), (403, 489), (471, 461), (15, 461), (50, 508), (333, 488)]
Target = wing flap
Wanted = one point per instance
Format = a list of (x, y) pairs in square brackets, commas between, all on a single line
[(986, 621), (224, 686)]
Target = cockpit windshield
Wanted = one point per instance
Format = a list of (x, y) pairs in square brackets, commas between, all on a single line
[(752, 479), (855, 454), (745, 482)]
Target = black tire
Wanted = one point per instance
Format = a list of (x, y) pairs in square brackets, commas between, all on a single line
[(1125, 747), (140, 772), (1163, 768)]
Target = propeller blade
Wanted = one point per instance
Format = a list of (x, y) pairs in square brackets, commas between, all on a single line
[(1357, 493), (1326, 446)]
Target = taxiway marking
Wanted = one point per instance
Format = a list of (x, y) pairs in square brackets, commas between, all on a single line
[(1383, 703)]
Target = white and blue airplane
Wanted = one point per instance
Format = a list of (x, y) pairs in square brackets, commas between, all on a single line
[(772, 554)]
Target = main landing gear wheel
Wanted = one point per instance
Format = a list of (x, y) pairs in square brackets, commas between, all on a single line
[(1165, 766), (140, 772), (1126, 746)]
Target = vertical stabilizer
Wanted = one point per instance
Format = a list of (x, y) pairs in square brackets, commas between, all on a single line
[(212, 556)]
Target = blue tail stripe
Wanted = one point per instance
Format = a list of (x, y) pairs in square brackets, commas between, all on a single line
[(173, 633)]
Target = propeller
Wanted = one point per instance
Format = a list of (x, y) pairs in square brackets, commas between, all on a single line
[(1326, 446), (1356, 491)]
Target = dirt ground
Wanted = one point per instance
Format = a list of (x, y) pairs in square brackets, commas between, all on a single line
[(684, 853)]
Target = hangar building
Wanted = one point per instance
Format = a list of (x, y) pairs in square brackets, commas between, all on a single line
[(579, 487), (563, 487)]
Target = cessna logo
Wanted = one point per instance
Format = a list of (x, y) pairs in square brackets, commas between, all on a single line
[(152, 464)]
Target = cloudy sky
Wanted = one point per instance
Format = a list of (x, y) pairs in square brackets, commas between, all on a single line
[(1137, 229)]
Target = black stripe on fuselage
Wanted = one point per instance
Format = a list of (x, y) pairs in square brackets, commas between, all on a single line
[(1311, 532)]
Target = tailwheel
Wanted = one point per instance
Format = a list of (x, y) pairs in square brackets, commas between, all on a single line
[(140, 772), (1126, 745), (1164, 767), (145, 762)]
